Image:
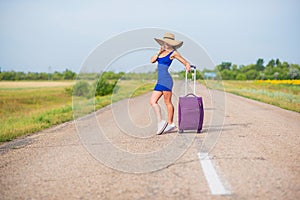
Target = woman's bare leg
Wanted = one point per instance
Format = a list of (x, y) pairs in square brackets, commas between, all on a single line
[(153, 102), (170, 107)]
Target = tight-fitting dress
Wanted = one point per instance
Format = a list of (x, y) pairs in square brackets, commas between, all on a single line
[(164, 79)]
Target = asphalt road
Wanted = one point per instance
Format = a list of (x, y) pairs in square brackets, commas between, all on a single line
[(114, 154)]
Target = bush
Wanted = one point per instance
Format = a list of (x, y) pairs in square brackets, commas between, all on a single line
[(81, 88), (69, 91), (103, 87), (294, 73), (241, 77)]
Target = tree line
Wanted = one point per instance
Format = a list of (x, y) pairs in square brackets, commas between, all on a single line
[(70, 75), (19, 76), (273, 70)]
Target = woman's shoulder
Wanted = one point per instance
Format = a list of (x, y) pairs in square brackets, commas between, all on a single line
[(174, 54)]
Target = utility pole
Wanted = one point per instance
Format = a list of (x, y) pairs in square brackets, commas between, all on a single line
[(49, 73)]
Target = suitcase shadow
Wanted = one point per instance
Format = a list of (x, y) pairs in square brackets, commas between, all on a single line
[(214, 128), (224, 127)]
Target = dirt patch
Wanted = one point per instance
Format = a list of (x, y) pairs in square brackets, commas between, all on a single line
[(34, 84)]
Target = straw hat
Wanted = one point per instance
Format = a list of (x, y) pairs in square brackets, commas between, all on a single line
[(169, 38)]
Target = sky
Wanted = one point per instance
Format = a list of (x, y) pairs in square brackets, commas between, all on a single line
[(40, 35)]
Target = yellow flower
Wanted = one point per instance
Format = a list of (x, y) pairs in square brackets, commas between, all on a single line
[(290, 82)]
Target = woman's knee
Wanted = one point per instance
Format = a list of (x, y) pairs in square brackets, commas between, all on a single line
[(169, 103), (153, 102), (155, 97)]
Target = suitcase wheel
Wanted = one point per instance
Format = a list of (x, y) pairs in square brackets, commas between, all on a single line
[(180, 131)]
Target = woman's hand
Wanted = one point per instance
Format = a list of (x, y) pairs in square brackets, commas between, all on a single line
[(154, 58), (162, 48), (188, 67)]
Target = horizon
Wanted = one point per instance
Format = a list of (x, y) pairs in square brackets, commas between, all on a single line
[(175, 68), (153, 68)]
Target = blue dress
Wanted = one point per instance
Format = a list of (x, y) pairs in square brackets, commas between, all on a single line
[(164, 79)]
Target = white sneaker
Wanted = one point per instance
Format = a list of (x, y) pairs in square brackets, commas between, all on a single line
[(161, 126), (170, 128)]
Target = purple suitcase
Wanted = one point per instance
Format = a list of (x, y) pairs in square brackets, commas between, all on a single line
[(190, 110)]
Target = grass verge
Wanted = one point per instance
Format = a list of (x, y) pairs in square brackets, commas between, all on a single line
[(28, 107), (286, 96)]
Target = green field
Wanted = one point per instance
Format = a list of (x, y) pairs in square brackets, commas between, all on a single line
[(286, 96), (30, 106)]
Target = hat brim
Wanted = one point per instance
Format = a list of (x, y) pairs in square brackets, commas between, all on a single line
[(174, 43)]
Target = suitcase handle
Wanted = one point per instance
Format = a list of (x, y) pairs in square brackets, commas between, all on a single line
[(191, 94), (186, 73)]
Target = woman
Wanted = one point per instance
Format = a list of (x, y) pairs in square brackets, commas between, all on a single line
[(164, 84)]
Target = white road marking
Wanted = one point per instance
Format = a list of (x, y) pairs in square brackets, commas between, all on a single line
[(212, 178)]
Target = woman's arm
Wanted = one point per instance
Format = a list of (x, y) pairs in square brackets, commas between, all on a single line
[(182, 60), (154, 58)]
